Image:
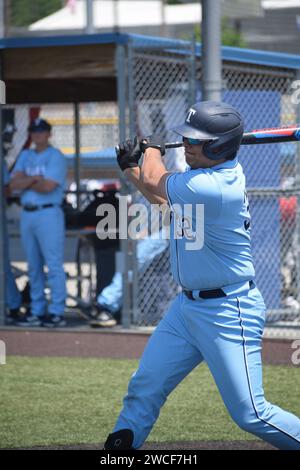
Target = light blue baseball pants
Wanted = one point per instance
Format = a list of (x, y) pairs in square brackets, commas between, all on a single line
[(226, 333), (43, 236)]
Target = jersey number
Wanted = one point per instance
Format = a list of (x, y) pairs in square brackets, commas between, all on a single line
[(247, 222)]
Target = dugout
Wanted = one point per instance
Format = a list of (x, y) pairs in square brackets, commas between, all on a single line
[(149, 83), (44, 73), (65, 69)]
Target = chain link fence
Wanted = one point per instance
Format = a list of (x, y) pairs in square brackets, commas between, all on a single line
[(98, 128), (158, 93), (264, 97), (163, 81), (162, 78)]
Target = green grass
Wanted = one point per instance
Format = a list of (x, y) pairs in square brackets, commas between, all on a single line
[(70, 401)]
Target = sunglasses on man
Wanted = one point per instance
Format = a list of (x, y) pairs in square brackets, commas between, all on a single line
[(191, 141)]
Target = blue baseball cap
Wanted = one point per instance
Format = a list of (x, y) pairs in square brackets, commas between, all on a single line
[(39, 125)]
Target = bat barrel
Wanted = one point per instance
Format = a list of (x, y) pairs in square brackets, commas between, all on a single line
[(271, 136)]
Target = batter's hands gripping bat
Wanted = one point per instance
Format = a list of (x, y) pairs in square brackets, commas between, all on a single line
[(259, 136), (168, 145)]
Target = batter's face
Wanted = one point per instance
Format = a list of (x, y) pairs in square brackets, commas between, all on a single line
[(195, 157)]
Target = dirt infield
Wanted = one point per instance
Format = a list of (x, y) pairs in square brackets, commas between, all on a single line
[(108, 344)]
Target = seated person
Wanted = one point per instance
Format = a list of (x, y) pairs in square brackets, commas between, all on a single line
[(109, 300)]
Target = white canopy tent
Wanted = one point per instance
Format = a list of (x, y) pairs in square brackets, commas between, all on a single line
[(279, 4), (111, 14), (123, 14)]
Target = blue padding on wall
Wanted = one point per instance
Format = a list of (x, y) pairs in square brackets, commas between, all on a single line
[(261, 164)]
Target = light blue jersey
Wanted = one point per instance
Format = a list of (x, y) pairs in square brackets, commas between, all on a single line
[(51, 164), (225, 257)]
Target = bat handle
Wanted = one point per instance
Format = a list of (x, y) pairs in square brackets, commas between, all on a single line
[(117, 150), (173, 145), (168, 145)]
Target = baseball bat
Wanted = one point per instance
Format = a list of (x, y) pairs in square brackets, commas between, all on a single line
[(272, 135), (258, 136)]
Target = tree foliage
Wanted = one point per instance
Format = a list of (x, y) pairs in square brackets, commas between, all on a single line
[(24, 12), (231, 36)]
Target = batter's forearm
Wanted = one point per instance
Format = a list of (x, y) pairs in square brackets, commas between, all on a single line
[(153, 168), (134, 176), (154, 173)]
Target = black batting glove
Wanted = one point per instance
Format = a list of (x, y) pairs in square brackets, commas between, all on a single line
[(129, 154), (154, 141)]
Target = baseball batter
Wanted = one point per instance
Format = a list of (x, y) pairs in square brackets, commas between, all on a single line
[(219, 315)]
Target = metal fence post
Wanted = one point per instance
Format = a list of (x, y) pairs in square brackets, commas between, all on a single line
[(2, 231), (77, 153), (90, 28), (77, 180), (297, 189), (133, 268), (131, 104), (122, 86), (211, 50), (192, 78), (3, 248)]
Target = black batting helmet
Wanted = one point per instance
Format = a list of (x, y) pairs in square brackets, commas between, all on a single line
[(217, 124)]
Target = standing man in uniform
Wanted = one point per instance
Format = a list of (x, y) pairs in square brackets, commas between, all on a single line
[(219, 315), (39, 175)]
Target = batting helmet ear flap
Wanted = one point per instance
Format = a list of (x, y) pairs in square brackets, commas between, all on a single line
[(206, 148), (225, 147)]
